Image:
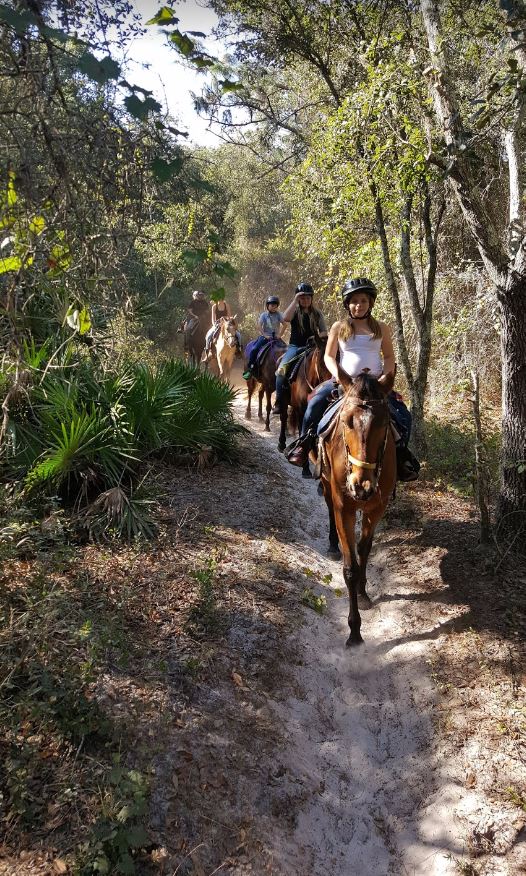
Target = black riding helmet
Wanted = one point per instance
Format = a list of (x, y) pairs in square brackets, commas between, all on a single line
[(272, 299), (305, 289), (359, 284)]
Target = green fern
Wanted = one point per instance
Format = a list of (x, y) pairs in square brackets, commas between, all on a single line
[(85, 446)]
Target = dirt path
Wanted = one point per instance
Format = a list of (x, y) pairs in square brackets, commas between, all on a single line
[(263, 745), (364, 782)]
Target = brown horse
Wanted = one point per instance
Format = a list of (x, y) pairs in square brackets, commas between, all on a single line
[(266, 381), (312, 372), (223, 348), (194, 338), (358, 473)]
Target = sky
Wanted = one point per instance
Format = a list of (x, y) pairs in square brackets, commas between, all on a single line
[(169, 79)]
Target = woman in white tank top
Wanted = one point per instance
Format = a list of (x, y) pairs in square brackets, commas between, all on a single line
[(363, 344)]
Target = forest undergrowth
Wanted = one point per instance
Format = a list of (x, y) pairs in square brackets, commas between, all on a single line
[(112, 654)]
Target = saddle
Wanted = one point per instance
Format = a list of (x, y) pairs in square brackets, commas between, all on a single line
[(293, 365), (192, 325), (266, 348)]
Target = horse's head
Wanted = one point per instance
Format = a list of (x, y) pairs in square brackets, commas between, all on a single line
[(364, 417), (229, 329)]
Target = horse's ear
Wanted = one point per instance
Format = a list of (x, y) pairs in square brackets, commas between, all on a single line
[(386, 381), (344, 378)]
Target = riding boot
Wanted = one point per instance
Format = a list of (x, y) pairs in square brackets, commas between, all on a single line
[(298, 453), (299, 456)]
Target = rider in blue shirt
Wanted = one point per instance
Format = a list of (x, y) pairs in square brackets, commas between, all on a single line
[(271, 325)]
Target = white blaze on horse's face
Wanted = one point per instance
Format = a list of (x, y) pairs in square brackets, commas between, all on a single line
[(230, 329), (362, 428)]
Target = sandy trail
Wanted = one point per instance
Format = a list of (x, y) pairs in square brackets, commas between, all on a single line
[(360, 786)]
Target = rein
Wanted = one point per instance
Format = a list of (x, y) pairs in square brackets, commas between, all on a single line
[(307, 381), (316, 368)]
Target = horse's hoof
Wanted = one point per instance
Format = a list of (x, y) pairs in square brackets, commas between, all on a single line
[(334, 553), (281, 447), (364, 603), (248, 416), (267, 428), (354, 640), (306, 474)]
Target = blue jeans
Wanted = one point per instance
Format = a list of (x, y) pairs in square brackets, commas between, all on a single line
[(289, 354), (317, 405), (257, 345)]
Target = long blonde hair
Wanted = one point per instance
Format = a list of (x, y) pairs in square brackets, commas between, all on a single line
[(347, 328)]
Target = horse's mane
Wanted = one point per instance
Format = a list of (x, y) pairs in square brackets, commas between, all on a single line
[(365, 386)]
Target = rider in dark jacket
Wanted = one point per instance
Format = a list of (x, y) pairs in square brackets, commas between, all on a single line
[(305, 321)]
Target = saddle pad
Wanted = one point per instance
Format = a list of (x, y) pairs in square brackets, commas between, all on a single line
[(263, 353), (328, 417)]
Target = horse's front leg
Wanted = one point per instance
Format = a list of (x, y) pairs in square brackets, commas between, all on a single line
[(369, 523), (345, 523), (260, 398), (334, 552)]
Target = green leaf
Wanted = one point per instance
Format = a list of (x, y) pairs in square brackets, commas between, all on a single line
[(227, 85), (164, 170), (164, 16), (202, 61), (13, 263), (202, 184), (194, 257), (137, 837), (37, 224), (79, 320), (126, 865), (19, 21), (224, 269), (183, 43), (138, 108), (100, 71), (60, 35)]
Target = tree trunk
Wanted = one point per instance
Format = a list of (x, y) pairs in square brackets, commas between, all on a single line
[(418, 438), (511, 509), (480, 481)]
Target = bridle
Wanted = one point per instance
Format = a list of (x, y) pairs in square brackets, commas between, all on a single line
[(230, 332), (361, 463)]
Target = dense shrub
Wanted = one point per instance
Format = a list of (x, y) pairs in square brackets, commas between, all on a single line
[(81, 432)]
